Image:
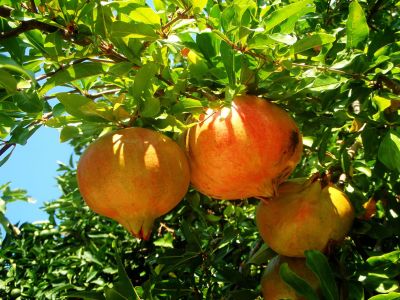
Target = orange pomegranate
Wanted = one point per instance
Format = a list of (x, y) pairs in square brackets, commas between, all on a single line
[(244, 150), (306, 215), (133, 176), (274, 288)]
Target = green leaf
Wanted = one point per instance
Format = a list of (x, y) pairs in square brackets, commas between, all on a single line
[(297, 283), (356, 291), (311, 41), (381, 283), (86, 295), (37, 40), (71, 73), (22, 133), (263, 254), (121, 68), (166, 241), (103, 19), (5, 158), (282, 14), (8, 63), (197, 65), (390, 296), (389, 151), (143, 78), (381, 102), (357, 29), (323, 145), (133, 31), (388, 50), (208, 44), (61, 121), (2, 207), (145, 15), (318, 263), (81, 107), (28, 102), (187, 105), (123, 288), (198, 5), (385, 259), (283, 38), (8, 82), (228, 58), (150, 107), (68, 132)]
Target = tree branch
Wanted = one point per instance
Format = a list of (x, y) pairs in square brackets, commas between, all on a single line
[(5, 11), (62, 67), (27, 26), (6, 147), (102, 93), (375, 8), (33, 7), (391, 84), (180, 16)]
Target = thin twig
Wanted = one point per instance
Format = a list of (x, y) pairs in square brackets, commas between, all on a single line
[(6, 147), (374, 9), (62, 67), (327, 69), (33, 7), (102, 93), (180, 16)]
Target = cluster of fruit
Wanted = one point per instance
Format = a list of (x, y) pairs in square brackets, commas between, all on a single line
[(135, 175)]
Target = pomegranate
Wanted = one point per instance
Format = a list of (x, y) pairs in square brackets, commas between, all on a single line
[(274, 288), (242, 151), (306, 215), (133, 176)]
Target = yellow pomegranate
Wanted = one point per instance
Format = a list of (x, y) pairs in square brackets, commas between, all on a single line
[(274, 288), (133, 176), (242, 151), (306, 215)]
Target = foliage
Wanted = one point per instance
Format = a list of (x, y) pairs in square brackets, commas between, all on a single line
[(88, 67)]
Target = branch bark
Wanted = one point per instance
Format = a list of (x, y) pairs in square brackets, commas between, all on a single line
[(394, 86), (28, 25)]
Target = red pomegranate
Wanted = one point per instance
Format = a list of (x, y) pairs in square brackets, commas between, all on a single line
[(245, 150), (133, 176)]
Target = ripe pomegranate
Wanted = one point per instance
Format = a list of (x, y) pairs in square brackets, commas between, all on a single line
[(306, 215), (274, 288), (133, 176), (242, 151)]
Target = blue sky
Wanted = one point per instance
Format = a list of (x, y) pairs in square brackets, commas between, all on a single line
[(33, 167)]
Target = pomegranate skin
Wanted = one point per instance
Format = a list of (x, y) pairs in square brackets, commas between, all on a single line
[(274, 288), (243, 151), (133, 176), (304, 216)]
